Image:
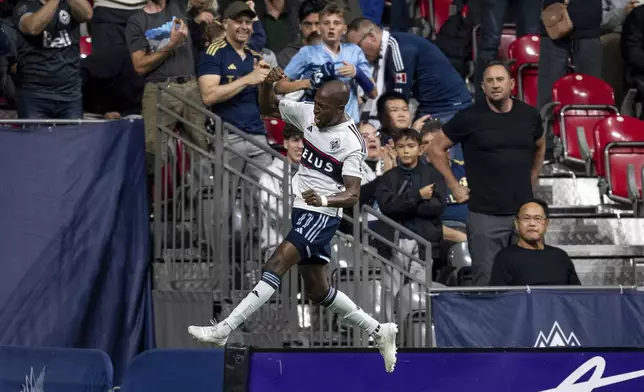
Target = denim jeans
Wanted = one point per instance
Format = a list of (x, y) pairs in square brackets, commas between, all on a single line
[(40, 109), (586, 54), (492, 17)]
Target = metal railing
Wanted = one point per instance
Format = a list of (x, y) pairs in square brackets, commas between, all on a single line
[(214, 227)]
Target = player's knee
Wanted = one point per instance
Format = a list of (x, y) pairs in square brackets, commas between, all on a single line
[(322, 295)]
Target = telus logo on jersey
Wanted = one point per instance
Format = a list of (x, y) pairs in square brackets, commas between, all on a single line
[(313, 158)]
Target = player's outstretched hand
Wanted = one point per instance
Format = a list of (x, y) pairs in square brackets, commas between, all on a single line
[(311, 198), (276, 74)]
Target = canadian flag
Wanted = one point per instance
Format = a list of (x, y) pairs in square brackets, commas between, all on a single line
[(401, 77)]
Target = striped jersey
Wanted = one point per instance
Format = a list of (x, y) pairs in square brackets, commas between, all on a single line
[(328, 154)]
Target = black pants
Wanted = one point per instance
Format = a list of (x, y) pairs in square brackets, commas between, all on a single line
[(108, 27)]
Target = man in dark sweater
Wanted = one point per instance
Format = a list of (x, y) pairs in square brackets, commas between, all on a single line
[(412, 194), (530, 262)]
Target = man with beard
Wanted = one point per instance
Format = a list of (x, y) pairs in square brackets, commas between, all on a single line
[(504, 145), (309, 15), (230, 75), (161, 51)]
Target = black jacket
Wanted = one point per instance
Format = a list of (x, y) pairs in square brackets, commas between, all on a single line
[(632, 45), (586, 16), (399, 200)]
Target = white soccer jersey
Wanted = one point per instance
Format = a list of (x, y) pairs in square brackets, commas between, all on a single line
[(328, 155)]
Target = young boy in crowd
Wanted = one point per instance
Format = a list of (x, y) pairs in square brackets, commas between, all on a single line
[(313, 65), (412, 194)]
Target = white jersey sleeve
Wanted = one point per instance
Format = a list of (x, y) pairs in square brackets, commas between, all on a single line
[(299, 114), (357, 153)]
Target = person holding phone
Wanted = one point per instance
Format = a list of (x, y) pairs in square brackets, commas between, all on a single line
[(161, 51)]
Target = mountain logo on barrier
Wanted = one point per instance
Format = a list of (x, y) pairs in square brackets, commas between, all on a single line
[(595, 381), (556, 338), (34, 384)]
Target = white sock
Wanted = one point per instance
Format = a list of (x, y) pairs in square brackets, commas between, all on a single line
[(338, 302), (261, 293)]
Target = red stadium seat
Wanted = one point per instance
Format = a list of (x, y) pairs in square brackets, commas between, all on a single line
[(525, 67), (85, 46), (438, 13), (508, 35), (274, 131), (579, 101), (179, 160), (619, 159)]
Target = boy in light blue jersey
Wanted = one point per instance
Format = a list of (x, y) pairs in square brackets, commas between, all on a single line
[(314, 65)]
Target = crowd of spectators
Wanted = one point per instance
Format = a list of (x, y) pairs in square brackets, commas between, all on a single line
[(450, 166)]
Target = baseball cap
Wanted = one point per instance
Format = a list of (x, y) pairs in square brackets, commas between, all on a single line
[(237, 8)]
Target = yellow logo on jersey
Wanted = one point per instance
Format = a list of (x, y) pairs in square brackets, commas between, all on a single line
[(232, 66)]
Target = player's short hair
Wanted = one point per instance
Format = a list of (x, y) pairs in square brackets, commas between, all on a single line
[(386, 97), (432, 125), (361, 23), (332, 9), (499, 63), (542, 203), (408, 133), (309, 7), (291, 132)]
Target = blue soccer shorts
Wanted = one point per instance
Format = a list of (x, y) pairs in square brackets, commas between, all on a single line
[(311, 234)]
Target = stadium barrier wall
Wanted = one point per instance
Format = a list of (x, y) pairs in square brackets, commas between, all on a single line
[(538, 317), (436, 370)]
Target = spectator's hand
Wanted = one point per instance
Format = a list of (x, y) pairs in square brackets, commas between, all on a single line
[(311, 198), (348, 70), (420, 123), (323, 75), (112, 115), (259, 74), (388, 156), (632, 4), (205, 17), (427, 191), (251, 5), (178, 34), (274, 75), (461, 193)]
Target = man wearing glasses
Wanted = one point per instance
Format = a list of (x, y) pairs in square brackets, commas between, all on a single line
[(530, 262)]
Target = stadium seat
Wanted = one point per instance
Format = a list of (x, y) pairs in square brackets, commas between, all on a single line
[(508, 35), (524, 53), (85, 46), (176, 370), (275, 132), (410, 315), (54, 369), (619, 159), (579, 102), (438, 13)]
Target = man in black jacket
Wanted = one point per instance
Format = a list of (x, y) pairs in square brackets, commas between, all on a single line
[(412, 194), (632, 46), (582, 44)]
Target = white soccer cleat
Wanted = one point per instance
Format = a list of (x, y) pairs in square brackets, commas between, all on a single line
[(216, 334), (386, 344)]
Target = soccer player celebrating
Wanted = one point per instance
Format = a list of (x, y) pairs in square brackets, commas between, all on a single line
[(327, 181)]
